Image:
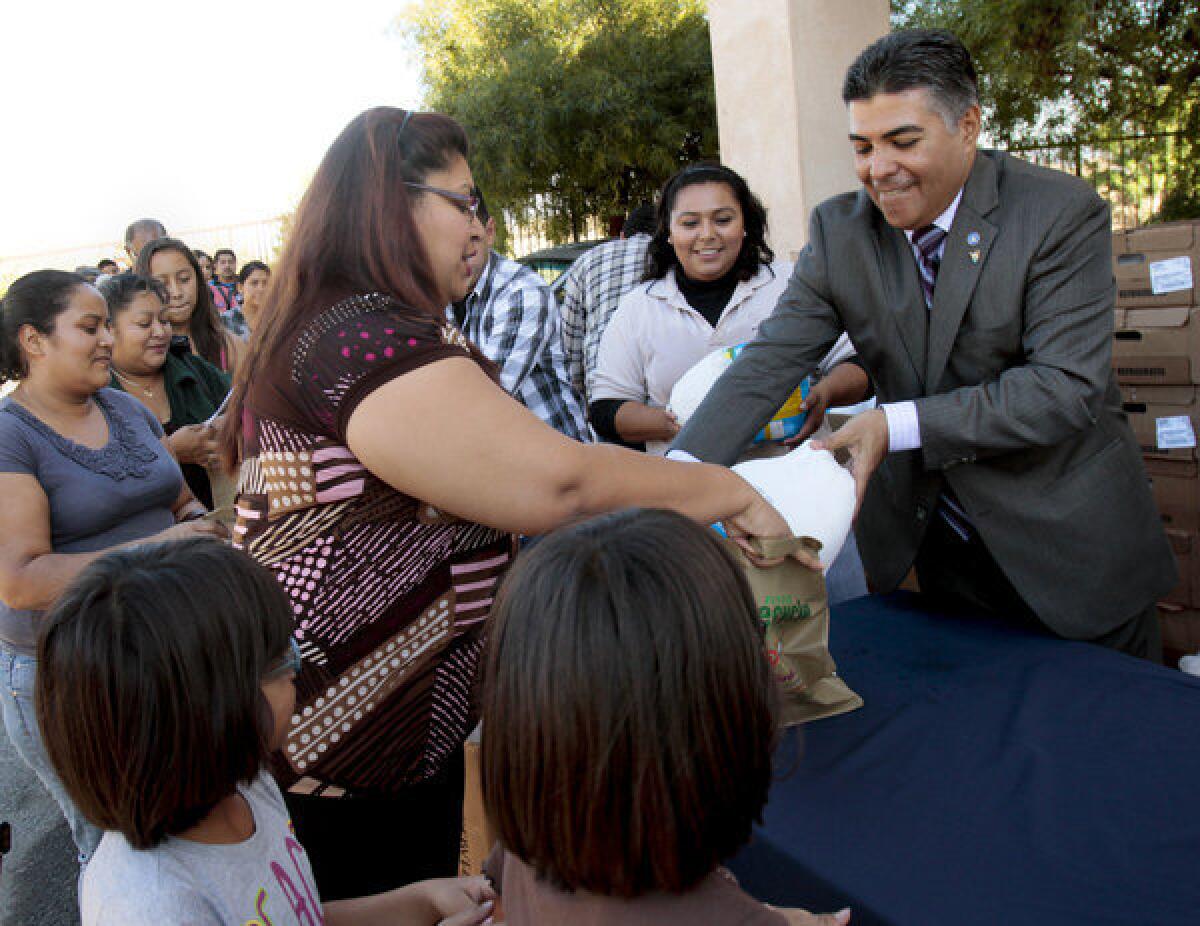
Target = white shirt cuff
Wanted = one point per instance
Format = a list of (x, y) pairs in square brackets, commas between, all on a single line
[(904, 433), (682, 456)]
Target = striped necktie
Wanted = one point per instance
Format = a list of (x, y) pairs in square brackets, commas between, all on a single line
[(928, 242)]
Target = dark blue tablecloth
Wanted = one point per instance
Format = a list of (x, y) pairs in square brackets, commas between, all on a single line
[(992, 777)]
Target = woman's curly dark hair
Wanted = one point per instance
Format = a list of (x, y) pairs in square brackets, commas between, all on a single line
[(755, 251)]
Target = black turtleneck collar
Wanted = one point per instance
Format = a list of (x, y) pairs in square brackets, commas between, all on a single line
[(708, 297)]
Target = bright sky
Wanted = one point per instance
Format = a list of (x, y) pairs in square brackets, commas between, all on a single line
[(195, 112)]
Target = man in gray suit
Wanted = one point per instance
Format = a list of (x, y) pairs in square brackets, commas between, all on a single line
[(978, 291)]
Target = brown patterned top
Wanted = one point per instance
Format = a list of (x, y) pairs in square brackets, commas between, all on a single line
[(391, 597)]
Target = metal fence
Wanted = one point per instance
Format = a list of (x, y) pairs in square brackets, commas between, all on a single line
[(249, 240), (1130, 171)]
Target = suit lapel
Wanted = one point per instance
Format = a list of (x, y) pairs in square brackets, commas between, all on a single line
[(967, 246), (908, 313)]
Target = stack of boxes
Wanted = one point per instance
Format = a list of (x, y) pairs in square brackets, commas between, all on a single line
[(1156, 356)]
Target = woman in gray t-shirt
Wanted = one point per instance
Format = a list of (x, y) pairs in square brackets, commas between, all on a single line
[(82, 470)]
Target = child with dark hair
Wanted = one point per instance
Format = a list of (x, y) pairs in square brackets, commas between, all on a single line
[(629, 717), (168, 679)]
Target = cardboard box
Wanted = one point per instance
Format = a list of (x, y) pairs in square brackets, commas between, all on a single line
[(1176, 488), (1157, 347), (1165, 420), (1186, 547), (478, 837), (1157, 265)]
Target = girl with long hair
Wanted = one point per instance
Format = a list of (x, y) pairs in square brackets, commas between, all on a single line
[(190, 308)]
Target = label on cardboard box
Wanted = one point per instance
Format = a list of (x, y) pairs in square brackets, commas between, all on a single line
[(1170, 276), (1175, 433)]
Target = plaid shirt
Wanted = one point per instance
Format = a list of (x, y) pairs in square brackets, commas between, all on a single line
[(512, 317), (595, 284), (225, 300)]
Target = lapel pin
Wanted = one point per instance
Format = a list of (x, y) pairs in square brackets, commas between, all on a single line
[(973, 238), (974, 255)]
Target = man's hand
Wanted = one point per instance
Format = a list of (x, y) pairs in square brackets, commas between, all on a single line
[(865, 438)]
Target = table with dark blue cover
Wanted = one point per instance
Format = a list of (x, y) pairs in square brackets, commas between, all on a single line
[(992, 777)]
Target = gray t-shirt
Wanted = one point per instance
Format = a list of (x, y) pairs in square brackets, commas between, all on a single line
[(266, 879), (99, 498)]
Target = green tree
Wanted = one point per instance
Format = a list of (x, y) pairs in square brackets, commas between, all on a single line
[(1086, 68), (575, 108)]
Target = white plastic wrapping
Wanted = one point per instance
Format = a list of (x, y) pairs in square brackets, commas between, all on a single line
[(811, 490)]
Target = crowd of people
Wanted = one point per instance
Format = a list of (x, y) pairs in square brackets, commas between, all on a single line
[(404, 409)]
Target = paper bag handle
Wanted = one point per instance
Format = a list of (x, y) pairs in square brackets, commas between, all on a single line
[(777, 547)]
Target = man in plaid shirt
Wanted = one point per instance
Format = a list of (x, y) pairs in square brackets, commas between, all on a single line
[(594, 286), (511, 315)]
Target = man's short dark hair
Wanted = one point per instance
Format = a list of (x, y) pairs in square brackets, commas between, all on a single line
[(927, 59), (109, 263), (149, 689), (152, 228), (219, 251), (614, 643), (641, 220)]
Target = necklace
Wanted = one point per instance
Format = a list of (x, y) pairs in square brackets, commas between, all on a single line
[(130, 381)]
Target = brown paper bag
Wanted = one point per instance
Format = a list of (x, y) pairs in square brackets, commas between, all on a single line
[(794, 609), (478, 836), (224, 491)]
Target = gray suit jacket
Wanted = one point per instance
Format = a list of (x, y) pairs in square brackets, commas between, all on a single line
[(1010, 372)]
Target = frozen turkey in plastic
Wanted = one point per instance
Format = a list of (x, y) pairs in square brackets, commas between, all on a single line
[(691, 388), (812, 491)]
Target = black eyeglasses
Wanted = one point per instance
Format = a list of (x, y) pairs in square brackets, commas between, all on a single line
[(467, 203)]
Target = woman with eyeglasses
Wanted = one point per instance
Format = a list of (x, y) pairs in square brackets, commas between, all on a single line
[(384, 474)]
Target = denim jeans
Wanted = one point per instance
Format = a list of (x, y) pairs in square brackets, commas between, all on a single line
[(18, 675)]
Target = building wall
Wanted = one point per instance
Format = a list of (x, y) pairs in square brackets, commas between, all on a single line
[(778, 66)]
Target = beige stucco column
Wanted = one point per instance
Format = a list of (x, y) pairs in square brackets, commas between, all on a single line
[(779, 66)]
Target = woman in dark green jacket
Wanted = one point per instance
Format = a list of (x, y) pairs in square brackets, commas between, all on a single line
[(183, 390)]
